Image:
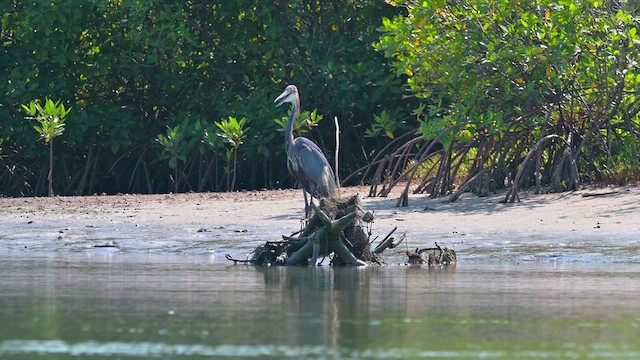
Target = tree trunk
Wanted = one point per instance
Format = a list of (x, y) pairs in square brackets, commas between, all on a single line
[(175, 178), (50, 175), (235, 163)]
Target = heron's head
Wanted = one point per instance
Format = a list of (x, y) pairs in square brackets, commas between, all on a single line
[(290, 95)]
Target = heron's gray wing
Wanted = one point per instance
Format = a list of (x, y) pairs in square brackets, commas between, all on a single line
[(311, 167)]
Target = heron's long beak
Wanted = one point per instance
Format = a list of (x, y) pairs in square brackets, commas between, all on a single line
[(282, 98)]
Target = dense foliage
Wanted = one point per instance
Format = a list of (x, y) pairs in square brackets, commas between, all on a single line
[(148, 81), (520, 93), (178, 96)]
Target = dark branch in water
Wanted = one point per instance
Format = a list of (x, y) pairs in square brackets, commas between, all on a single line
[(236, 261), (388, 242)]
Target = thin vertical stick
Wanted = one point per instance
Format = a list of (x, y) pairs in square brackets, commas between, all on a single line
[(335, 120)]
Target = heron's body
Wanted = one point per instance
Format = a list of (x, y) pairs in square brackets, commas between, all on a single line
[(305, 161)]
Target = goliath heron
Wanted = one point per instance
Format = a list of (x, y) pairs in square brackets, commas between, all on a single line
[(305, 160)]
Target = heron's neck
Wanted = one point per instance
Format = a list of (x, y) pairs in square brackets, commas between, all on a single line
[(288, 135)]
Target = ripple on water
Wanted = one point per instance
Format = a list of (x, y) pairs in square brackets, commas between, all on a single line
[(154, 349)]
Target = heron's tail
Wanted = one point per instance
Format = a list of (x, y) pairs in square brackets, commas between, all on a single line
[(327, 187)]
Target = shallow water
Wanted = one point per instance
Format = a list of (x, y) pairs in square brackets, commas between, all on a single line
[(19, 238), (127, 306)]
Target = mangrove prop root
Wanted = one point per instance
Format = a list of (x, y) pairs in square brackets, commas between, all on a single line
[(329, 236), (337, 227)]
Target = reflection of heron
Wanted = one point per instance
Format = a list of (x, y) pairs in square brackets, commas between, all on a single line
[(305, 160)]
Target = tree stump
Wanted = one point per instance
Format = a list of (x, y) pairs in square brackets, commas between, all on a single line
[(336, 229)]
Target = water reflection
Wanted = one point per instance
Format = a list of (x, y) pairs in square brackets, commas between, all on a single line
[(116, 306), (317, 302)]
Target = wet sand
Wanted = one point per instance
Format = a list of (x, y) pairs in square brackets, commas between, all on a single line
[(605, 212)]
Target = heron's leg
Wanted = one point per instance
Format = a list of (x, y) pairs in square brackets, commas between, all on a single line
[(311, 205), (307, 207)]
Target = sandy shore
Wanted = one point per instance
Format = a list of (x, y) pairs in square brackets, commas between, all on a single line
[(265, 215)]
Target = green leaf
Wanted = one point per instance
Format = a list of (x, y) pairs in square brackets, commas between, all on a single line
[(389, 134), (50, 118)]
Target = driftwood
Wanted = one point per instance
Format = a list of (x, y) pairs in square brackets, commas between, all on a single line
[(599, 194), (336, 230), (436, 256)]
